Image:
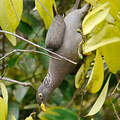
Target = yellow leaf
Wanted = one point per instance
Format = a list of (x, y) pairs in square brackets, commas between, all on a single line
[(107, 35), (4, 92), (112, 56), (32, 116), (29, 118), (115, 8), (3, 109), (93, 18), (81, 74), (79, 78), (45, 9), (110, 19), (100, 100), (10, 16), (97, 76)]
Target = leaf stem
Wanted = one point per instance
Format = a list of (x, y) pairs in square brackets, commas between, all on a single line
[(115, 111)]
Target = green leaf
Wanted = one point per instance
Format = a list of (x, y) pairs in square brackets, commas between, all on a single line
[(58, 113), (107, 35), (4, 92), (13, 117), (13, 108), (97, 76), (20, 92), (100, 100), (112, 56), (10, 16), (3, 109), (81, 74), (94, 17), (45, 9)]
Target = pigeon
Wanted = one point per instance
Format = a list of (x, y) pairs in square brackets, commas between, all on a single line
[(62, 38)]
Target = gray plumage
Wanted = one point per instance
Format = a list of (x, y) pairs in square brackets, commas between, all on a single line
[(55, 34), (58, 70)]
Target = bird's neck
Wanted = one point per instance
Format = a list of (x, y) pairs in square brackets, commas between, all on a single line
[(50, 82)]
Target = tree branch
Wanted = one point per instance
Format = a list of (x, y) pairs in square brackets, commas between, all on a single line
[(15, 81), (19, 50), (38, 46)]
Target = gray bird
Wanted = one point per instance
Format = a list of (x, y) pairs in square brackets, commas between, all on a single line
[(66, 45)]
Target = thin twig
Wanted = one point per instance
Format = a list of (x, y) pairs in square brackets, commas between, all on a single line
[(15, 81), (19, 50), (115, 111), (53, 53), (116, 87)]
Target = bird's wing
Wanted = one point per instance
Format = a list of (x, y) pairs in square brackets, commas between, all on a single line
[(55, 34)]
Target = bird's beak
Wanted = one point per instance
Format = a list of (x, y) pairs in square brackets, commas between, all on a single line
[(43, 107)]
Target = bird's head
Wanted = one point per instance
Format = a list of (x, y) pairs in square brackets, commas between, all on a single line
[(44, 91), (42, 96)]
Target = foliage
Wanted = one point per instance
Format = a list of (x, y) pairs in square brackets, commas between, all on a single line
[(3, 102), (57, 113), (100, 100), (100, 27), (10, 16), (47, 12)]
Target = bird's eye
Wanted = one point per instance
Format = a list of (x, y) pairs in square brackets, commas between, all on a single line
[(40, 95)]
